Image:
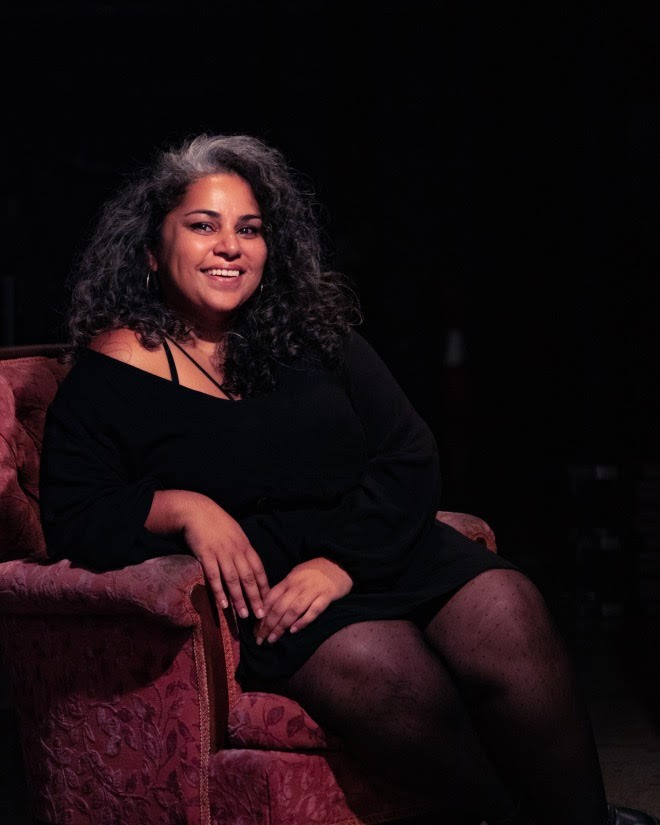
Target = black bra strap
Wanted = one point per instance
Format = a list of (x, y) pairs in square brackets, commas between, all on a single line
[(170, 360), (199, 366)]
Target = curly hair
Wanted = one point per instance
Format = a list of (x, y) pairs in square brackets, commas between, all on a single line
[(303, 312)]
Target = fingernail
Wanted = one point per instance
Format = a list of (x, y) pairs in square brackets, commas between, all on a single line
[(225, 604), (272, 637), (243, 613), (259, 639), (259, 613)]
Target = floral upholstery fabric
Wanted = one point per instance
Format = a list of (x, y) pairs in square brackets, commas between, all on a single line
[(266, 720), (157, 588), (250, 787), (27, 386), (113, 686), (113, 725)]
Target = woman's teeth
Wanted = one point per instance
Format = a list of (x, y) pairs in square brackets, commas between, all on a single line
[(223, 273)]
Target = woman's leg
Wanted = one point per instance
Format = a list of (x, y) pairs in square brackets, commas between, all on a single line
[(501, 646), (381, 688)]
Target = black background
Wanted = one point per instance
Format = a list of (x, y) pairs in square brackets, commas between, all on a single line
[(484, 167)]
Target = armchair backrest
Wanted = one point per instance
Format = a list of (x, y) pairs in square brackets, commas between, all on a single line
[(29, 377)]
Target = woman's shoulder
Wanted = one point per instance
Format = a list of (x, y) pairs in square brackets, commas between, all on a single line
[(124, 345), (359, 347), (104, 375)]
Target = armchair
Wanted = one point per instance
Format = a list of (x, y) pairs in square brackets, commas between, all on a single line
[(123, 684)]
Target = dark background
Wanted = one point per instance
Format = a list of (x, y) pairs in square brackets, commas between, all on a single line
[(484, 168)]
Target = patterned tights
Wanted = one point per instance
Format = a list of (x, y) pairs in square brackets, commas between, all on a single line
[(479, 711)]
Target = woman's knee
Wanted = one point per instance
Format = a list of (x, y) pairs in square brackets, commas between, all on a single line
[(512, 598), (499, 615), (506, 598)]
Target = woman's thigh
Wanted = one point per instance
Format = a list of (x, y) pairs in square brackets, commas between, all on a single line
[(375, 674)]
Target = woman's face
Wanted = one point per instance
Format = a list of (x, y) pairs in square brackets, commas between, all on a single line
[(212, 251)]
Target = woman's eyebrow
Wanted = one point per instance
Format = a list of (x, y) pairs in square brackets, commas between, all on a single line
[(212, 214)]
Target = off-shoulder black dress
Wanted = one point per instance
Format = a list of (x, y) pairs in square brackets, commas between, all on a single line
[(335, 464)]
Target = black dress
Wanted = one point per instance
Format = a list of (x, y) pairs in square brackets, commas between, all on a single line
[(334, 464)]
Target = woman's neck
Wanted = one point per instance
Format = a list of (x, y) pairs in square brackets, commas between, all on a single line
[(206, 344), (206, 338), (207, 333)]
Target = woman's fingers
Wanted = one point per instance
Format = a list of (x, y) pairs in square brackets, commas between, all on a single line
[(300, 597), (237, 579), (233, 583), (237, 575), (214, 578), (278, 601), (293, 609), (313, 611), (259, 572), (252, 582)]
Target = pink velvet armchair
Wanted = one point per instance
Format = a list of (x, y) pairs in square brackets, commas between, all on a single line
[(122, 683)]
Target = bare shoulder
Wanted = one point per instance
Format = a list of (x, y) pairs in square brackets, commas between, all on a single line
[(124, 345)]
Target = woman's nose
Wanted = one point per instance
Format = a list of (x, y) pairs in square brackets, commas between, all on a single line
[(227, 244)]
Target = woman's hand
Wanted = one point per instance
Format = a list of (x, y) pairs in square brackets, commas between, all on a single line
[(300, 597), (231, 565)]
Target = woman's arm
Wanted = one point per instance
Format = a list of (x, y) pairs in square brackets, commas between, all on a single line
[(217, 541), (94, 510), (365, 541), (371, 530)]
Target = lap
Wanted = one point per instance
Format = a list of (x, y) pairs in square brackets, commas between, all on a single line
[(402, 654)]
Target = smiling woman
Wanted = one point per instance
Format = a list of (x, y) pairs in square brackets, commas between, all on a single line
[(208, 261), (211, 253), (221, 403)]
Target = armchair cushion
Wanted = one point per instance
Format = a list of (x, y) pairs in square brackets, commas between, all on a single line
[(272, 722)]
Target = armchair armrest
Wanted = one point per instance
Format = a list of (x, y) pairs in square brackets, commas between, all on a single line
[(473, 527), (159, 588), (119, 682)]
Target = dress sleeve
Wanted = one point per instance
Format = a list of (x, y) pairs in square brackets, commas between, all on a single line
[(373, 530), (92, 510)]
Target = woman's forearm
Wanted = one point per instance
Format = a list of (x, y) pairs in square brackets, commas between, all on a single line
[(218, 541), (172, 510)]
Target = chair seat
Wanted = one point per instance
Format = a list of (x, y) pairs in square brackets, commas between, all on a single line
[(249, 787)]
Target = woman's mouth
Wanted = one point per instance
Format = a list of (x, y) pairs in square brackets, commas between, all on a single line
[(222, 273)]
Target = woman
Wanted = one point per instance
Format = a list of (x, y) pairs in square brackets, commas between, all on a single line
[(221, 402)]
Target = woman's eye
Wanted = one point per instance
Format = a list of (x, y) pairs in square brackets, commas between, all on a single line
[(249, 230), (202, 226)]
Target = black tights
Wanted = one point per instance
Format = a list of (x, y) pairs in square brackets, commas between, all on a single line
[(479, 711)]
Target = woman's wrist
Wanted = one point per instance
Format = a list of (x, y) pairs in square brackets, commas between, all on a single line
[(337, 571), (171, 510)]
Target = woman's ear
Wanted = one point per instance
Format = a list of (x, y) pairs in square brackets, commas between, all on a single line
[(153, 263)]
